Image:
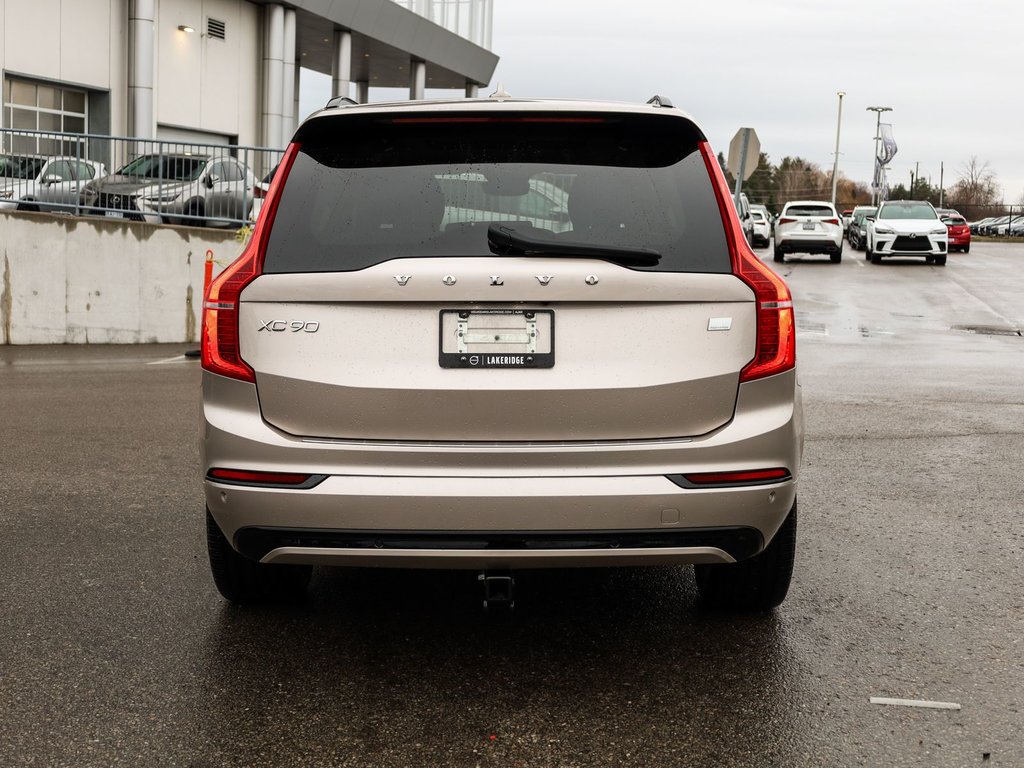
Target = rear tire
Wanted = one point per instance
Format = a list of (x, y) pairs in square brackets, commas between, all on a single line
[(779, 256), (27, 206), (759, 583), (835, 258), (194, 209), (966, 249), (242, 580)]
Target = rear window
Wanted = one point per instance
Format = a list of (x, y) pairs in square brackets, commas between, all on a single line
[(810, 210), (955, 221), (367, 189)]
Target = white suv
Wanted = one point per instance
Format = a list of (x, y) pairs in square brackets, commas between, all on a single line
[(809, 226), (907, 228)]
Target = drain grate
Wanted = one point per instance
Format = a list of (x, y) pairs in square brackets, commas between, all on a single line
[(989, 330)]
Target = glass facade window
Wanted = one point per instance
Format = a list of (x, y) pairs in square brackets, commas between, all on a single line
[(471, 19), (32, 106)]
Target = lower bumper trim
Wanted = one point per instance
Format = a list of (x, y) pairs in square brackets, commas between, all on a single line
[(288, 545)]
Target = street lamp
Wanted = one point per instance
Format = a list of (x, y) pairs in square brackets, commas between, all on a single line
[(878, 137), (835, 164)]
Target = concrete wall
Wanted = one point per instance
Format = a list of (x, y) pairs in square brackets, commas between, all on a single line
[(58, 40), (77, 281)]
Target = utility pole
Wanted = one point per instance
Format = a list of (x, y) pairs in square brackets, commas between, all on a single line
[(835, 164), (878, 137), (917, 175), (941, 187)]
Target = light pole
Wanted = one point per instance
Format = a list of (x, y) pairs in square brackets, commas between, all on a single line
[(835, 164), (878, 137)]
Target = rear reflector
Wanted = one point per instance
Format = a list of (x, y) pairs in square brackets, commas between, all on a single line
[(742, 477), (270, 479)]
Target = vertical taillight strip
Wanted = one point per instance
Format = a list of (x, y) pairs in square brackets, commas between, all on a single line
[(220, 341), (776, 331)]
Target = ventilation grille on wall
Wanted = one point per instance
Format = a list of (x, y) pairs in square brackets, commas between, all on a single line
[(215, 28)]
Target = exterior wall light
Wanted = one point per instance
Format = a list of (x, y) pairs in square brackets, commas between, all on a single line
[(186, 28)]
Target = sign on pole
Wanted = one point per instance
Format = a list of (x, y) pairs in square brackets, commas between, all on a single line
[(744, 154)]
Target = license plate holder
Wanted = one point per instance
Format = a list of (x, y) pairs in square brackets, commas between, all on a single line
[(496, 338), (114, 214), (809, 225)]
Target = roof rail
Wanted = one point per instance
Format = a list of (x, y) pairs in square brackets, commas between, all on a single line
[(340, 101), (660, 101)]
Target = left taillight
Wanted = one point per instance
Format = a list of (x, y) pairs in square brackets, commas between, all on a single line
[(775, 349), (220, 339)]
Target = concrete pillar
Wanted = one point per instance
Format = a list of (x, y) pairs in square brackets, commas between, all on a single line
[(341, 63), (288, 81), (362, 91), (417, 79), (273, 75), (141, 66), (295, 108), (472, 91)]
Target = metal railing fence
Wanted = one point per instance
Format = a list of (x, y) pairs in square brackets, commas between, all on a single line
[(170, 182)]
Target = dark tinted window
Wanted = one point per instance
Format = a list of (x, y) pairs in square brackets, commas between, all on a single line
[(810, 210), (364, 190)]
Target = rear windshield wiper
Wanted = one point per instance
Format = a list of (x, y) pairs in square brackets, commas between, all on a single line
[(505, 241)]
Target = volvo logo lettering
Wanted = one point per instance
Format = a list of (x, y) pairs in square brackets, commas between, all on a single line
[(403, 279), (496, 280), (448, 280), (544, 279), (280, 326)]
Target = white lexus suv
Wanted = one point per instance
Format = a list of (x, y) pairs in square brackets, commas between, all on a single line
[(809, 226), (907, 228)]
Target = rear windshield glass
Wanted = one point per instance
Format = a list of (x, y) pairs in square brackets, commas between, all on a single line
[(366, 189), (810, 210), (955, 221), (906, 211)]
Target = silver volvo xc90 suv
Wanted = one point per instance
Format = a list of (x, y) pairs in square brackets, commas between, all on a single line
[(500, 334)]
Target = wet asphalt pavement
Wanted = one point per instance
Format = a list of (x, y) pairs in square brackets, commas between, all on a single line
[(116, 650)]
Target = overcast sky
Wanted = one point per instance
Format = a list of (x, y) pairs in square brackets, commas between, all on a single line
[(949, 70)]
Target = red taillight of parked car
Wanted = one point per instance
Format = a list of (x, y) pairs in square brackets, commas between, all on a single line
[(786, 220), (832, 221), (259, 192), (220, 352), (776, 331)]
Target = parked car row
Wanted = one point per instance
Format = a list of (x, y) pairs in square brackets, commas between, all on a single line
[(38, 183), (164, 188), (999, 226)]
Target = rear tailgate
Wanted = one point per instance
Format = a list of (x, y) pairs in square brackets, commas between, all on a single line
[(636, 355)]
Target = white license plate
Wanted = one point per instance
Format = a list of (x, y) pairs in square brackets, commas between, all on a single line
[(114, 214), (497, 338), (809, 225)]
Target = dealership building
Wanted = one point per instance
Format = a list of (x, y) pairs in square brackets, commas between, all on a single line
[(225, 71)]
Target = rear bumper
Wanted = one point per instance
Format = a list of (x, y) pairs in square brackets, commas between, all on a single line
[(797, 245), (502, 505)]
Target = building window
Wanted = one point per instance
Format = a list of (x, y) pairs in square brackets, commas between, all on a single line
[(47, 107)]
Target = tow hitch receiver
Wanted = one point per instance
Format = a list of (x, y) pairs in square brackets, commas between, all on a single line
[(499, 589)]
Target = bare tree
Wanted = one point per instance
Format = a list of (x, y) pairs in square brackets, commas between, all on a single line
[(976, 192)]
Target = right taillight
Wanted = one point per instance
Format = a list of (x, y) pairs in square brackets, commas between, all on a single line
[(220, 339), (775, 349)]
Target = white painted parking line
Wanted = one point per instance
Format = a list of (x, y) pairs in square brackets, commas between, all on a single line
[(915, 703), (172, 360)]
